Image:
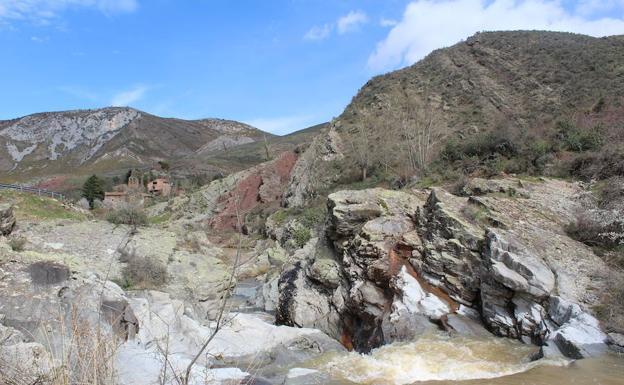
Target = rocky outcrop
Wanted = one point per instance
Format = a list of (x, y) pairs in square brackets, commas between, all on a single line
[(220, 202), (403, 263), (7, 219), (312, 171)]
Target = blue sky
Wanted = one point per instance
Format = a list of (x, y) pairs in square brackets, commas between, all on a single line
[(281, 65)]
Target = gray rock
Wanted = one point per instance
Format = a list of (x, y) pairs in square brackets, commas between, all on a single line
[(303, 376), (7, 219)]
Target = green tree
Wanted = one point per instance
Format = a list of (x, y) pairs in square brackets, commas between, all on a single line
[(93, 189)]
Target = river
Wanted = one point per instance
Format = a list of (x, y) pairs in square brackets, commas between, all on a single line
[(439, 359)]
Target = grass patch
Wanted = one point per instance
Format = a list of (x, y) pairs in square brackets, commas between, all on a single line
[(29, 206), (280, 216), (159, 219)]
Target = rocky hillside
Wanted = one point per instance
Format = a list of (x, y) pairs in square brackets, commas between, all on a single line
[(526, 90), (109, 139)]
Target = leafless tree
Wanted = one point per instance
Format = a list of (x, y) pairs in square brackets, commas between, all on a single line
[(420, 130), (363, 142), (267, 148)]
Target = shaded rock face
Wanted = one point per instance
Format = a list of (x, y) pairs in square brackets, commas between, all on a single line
[(7, 219), (404, 263), (48, 273)]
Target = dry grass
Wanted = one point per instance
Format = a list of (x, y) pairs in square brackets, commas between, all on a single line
[(78, 353), (142, 272)]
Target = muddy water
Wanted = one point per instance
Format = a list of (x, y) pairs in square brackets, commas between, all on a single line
[(441, 360)]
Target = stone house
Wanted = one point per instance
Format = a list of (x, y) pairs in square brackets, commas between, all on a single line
[(159, 186)]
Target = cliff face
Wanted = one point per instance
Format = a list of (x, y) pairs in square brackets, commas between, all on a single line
[(405, 262)]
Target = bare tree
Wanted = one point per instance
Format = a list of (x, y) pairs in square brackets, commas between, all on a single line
[(363, 142), (419, 130), (267, 149)]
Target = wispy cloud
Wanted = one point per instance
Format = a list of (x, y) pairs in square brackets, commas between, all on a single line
[(44, 11), (351, 21), (39, 39), (128, 97), (411, 39), (317, 32), (348, 23), (387, 22), (282, 125)]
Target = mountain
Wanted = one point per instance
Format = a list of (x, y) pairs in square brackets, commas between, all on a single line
[(522, 91), (109, 139), (245, 154)]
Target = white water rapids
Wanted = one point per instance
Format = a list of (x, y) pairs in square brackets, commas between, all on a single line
[(440, 359)]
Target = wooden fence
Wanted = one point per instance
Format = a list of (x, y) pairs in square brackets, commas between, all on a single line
[(33, 190)]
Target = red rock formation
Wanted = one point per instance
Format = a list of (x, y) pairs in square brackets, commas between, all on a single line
[(264, 187)]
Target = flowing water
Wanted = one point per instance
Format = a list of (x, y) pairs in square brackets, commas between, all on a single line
[(439, 359)]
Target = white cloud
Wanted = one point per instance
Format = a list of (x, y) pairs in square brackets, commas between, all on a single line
[(351, 21), (38, 39), (282, 125), (430, 24), (319, 32), (42, 11), (345, 24), (387, 22), (128, 97)]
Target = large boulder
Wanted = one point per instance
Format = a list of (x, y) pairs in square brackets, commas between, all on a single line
[(404, 261), (170, 333), (7, 219)]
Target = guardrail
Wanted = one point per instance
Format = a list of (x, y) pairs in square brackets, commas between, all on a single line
[(33, 190)]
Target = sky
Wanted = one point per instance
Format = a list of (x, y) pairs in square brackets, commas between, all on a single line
[(280, 65)]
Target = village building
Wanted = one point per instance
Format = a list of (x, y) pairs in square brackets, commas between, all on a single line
[(159, 186), (131, 193)]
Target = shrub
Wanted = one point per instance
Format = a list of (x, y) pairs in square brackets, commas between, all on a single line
[(18, 243), (129, 215), (578, 140), (142, 272), (611, 191), (596, 234), (301, 236), (312, 216)]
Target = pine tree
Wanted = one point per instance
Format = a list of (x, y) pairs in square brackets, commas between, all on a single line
[(93, 189)]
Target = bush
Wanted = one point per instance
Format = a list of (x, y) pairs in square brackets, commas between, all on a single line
[(312, 216), (142, 272), (575, 139), (18, 243), (611, 191), (596, 234), (130, 215), (301, 236)]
